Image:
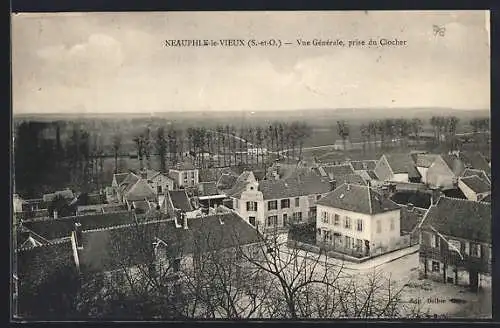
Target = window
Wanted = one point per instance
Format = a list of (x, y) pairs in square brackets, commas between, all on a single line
[(435, 241), (272, 205), (236, 204), (297, 202), (192, 174), (158, 188), (336, 220), (347, 222), (475, 250), (251, 206), (392, 224), (323, 217), (348, 242), (435, 266), (285, 203), (297, 216), (466, 248), (177, 265), (285, 219), (272, 220), (252, 220), (359, 225), (359, 244), (379, 226)]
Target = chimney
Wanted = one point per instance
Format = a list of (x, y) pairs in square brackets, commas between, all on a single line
[(333, 184), (409, 206), (435, 195), (348, 187), (55, 214), (78, 235), (185, 221), (221, 219)]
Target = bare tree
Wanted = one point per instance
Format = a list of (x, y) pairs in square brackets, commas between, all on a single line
[(343, 132), (161, 147)]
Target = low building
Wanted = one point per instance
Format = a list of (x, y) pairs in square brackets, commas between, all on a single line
[(209, 195), (397, 167), (175, 202), (158, 181), (423, 162), (455, 242), (359, 221), (473, 187)]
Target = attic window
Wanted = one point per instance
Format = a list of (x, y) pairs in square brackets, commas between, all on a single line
[(251, 188)]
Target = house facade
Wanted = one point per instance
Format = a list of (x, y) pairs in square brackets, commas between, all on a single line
[(185, 175), (358, 220), (423, 162), (159, 182), (273, 204), (455, 242)]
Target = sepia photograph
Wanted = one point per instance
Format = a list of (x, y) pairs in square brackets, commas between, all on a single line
[(251, 165)]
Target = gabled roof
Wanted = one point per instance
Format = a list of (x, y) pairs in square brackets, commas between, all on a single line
[(208, 189), (402, 163), (180, 200), (480, 173), (417, 198), (61, 228), (475, 160), (425, 160), (140, 190), (364, 164), (477, 184), (461, 218), (359, 199), (293, 187), (114, 248), (240, 184), (34, 264), (119, 177), (184, 166), (454, 164), (226, 181), (351, 178), (410, 218)]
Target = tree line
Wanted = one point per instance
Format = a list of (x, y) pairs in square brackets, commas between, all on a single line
[(233, 145), (389, 133)]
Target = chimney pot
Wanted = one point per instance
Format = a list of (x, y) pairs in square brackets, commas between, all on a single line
[(185, 221), (55, 214)]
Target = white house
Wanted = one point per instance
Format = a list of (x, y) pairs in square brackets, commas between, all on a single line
[(358, 219), (185, 175), (473, 187), (272, 204)]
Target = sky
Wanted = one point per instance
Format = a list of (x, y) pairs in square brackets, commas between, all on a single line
[(117, 62)]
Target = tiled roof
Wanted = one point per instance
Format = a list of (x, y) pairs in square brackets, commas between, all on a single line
[(67, 194), (351, 178), (184, 166), (208, 189), (417, 198), (477, 184), (61, 228), (359, 199), (306, 185), (240, 184), (338, 170), (119, 177), (363, 165), (410, 218), (131, 245), (402, 163), (454, 193), (461, 218), (475, 160), (455, 164), (180, 200), (128, 182), (480, 173), (226, 181), (35, 264), (425, 160), (140, 190)]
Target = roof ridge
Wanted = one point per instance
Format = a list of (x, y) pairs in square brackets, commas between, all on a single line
[(369, 200), (466, 200), (50, 243)]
